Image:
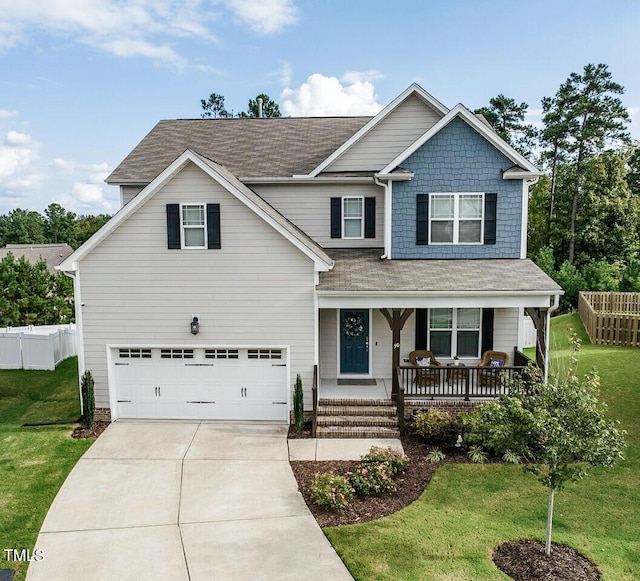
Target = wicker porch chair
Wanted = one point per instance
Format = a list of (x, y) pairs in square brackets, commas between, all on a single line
[(425, 375), (490, 375)]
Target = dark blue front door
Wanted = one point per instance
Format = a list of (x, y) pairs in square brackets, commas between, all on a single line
[(354, 341)]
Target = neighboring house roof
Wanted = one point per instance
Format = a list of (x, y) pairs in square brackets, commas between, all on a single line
[(247, 147), (52, 254), (362, 270), (235, 187), (481, 127)]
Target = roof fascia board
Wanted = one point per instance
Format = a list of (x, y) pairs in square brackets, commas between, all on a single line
[(126, 211), (307, 179), (164, 177), (461, 111), (412, 89)]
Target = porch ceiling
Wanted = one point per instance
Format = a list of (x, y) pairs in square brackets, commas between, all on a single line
[(360, 278)]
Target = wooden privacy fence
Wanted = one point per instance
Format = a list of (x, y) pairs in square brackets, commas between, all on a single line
[(611, 318)]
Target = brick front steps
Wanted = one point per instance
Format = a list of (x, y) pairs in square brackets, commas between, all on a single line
[(357, 418)]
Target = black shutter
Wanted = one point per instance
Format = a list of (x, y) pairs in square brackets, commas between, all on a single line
[(490, 207), (421, 329), (173, 226), (487, 330), (369, 217), (336, 217), (422, 219), (213, 226)]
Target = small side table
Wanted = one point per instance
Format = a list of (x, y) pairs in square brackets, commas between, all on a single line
[(458, 377)]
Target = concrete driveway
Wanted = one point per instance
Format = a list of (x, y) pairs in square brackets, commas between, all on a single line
[(184, 501)]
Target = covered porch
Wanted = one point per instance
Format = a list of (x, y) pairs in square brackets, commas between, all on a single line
[(374, 312)]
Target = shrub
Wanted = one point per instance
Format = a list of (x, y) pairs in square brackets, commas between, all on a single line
[(372, 478), (88, 401), (298, 405), (439, 428), (331, 490), (397, 460)]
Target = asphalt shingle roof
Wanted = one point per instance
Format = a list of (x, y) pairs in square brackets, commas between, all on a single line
[(248, 147), (362, 270), (53, 254)]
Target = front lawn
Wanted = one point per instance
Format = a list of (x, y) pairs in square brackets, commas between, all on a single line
[(467, 509), (34, 461)]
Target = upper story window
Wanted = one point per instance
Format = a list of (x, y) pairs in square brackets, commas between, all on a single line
[(456, 218), (352, 217), (194, 234), (193, 226), (455, 332)]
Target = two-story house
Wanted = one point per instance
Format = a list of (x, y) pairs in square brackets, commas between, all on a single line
[(248, 251)]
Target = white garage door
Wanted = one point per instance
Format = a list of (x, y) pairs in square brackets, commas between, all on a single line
[(216, 383)]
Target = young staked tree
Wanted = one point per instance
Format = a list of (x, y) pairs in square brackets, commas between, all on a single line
[(558, 428), (507, 118)]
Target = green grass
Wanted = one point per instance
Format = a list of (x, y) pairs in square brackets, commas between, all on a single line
[(34, 461), (467, 510)]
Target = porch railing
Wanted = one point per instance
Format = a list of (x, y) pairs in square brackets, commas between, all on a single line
[(314, 396), (454, 382)]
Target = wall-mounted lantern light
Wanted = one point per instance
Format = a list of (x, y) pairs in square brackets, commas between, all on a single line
[(195, 326)]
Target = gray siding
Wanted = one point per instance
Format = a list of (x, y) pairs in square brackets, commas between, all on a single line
[(257, 290), (308, 206), (127, 193), (388, 138), (380, 343)]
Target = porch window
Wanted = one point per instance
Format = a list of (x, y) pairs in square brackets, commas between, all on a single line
[(353, 217), (456, 218), (455, 332)]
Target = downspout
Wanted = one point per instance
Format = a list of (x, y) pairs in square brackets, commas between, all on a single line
[(387, 216), (556, 304), (75, 276)]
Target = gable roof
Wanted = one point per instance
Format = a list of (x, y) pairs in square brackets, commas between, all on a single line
[(228, 181), (52, 254), (413, 89), (488, 133), (248, 147)]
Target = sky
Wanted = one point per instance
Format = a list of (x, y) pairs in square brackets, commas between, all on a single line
[(83, 81)]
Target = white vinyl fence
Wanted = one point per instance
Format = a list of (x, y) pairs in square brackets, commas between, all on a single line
[(36, 347), (529, 335)]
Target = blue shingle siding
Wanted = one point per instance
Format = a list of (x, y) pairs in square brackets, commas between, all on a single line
[(457, 159)]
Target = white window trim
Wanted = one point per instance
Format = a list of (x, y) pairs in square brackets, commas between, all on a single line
[(456, 218), (343, 218), (183, 227), (454, 332)]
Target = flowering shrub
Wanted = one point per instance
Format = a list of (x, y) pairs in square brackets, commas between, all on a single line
[(331, 490), (372, 478), (397, 460)]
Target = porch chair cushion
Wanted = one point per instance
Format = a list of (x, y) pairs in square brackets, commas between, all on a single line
[(426, 375), (494, 361)]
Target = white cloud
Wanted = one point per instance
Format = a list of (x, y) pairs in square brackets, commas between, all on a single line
[(265, 16), (362, 76), (634, 127), (136, 28), (6, 114), (322, 96), (30, 180), (18, 151)]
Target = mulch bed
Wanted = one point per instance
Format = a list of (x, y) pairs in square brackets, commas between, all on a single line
[(410, 486), (82, 431), (525, 561), (302, 435)]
